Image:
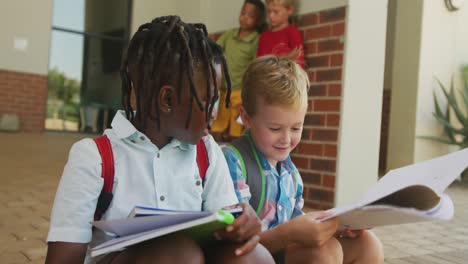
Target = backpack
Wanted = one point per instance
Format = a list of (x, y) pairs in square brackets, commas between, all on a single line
[(107, 156), (250, 165)]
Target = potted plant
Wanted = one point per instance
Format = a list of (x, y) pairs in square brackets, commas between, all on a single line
[(453, 117)]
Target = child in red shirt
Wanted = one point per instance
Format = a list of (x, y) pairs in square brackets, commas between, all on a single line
[(281, 38)]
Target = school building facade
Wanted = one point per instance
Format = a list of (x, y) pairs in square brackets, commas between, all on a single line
[(371, 64)]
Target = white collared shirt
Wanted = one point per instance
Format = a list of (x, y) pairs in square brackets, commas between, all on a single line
[(144, 175)]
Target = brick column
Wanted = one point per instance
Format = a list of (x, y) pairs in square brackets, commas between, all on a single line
[(316, 155)]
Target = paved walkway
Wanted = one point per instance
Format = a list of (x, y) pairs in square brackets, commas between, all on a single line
[(430, 242), (31, 165)]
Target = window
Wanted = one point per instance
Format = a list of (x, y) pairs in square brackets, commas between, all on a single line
[(88, 38)]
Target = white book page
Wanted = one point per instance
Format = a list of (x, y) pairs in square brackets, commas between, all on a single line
[(436, 174), (444, 210), (370, 216), (127, 226), (125, 241), (140, 211)]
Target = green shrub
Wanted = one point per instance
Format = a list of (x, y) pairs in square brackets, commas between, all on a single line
[(454, 116)]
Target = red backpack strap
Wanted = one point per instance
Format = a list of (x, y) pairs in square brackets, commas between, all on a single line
[(202, 159), (107, 157)]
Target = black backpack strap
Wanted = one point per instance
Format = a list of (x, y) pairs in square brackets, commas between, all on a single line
[(255, 177)]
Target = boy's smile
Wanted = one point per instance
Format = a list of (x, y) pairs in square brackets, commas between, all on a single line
[(275, 129)]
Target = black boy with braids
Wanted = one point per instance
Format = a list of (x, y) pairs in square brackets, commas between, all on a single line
[(179, 51), (170, 77)]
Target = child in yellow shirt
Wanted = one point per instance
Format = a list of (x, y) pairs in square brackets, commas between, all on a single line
[(240, 47)]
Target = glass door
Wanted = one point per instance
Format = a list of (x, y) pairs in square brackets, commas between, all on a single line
[(88, 38)]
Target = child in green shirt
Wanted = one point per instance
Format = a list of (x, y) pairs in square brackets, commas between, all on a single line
[(240, 47)]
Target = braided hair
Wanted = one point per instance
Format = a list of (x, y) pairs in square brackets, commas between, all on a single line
[(166, 52)]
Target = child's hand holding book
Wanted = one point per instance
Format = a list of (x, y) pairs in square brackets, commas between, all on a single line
[(245, 229), (308, 231)]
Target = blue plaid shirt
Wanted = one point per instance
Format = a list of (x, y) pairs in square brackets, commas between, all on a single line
[(282, 201)]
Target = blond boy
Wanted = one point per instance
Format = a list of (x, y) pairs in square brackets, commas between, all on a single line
[(274, 96)]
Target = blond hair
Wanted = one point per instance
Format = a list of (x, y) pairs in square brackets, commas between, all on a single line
[(285, 3), (278, 80)]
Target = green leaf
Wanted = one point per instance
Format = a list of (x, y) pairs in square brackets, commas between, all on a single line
[(444, 114), (447, 130), (465, 79), (444, 118), (452, 101), (436, 105), (441, 140), (464, 93), (448, 127), (456, 107)]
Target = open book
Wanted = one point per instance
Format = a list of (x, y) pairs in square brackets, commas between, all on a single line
[(139, 211), (156, 223), (409, 194)]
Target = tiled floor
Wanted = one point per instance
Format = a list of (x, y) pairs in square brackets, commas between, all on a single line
[(430, 242), (31, 164)]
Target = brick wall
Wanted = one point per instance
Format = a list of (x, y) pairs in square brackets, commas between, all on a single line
[(24, 94), (316, 155)]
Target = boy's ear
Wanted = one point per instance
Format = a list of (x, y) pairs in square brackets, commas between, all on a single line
[(167, 98), (244, 116)]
